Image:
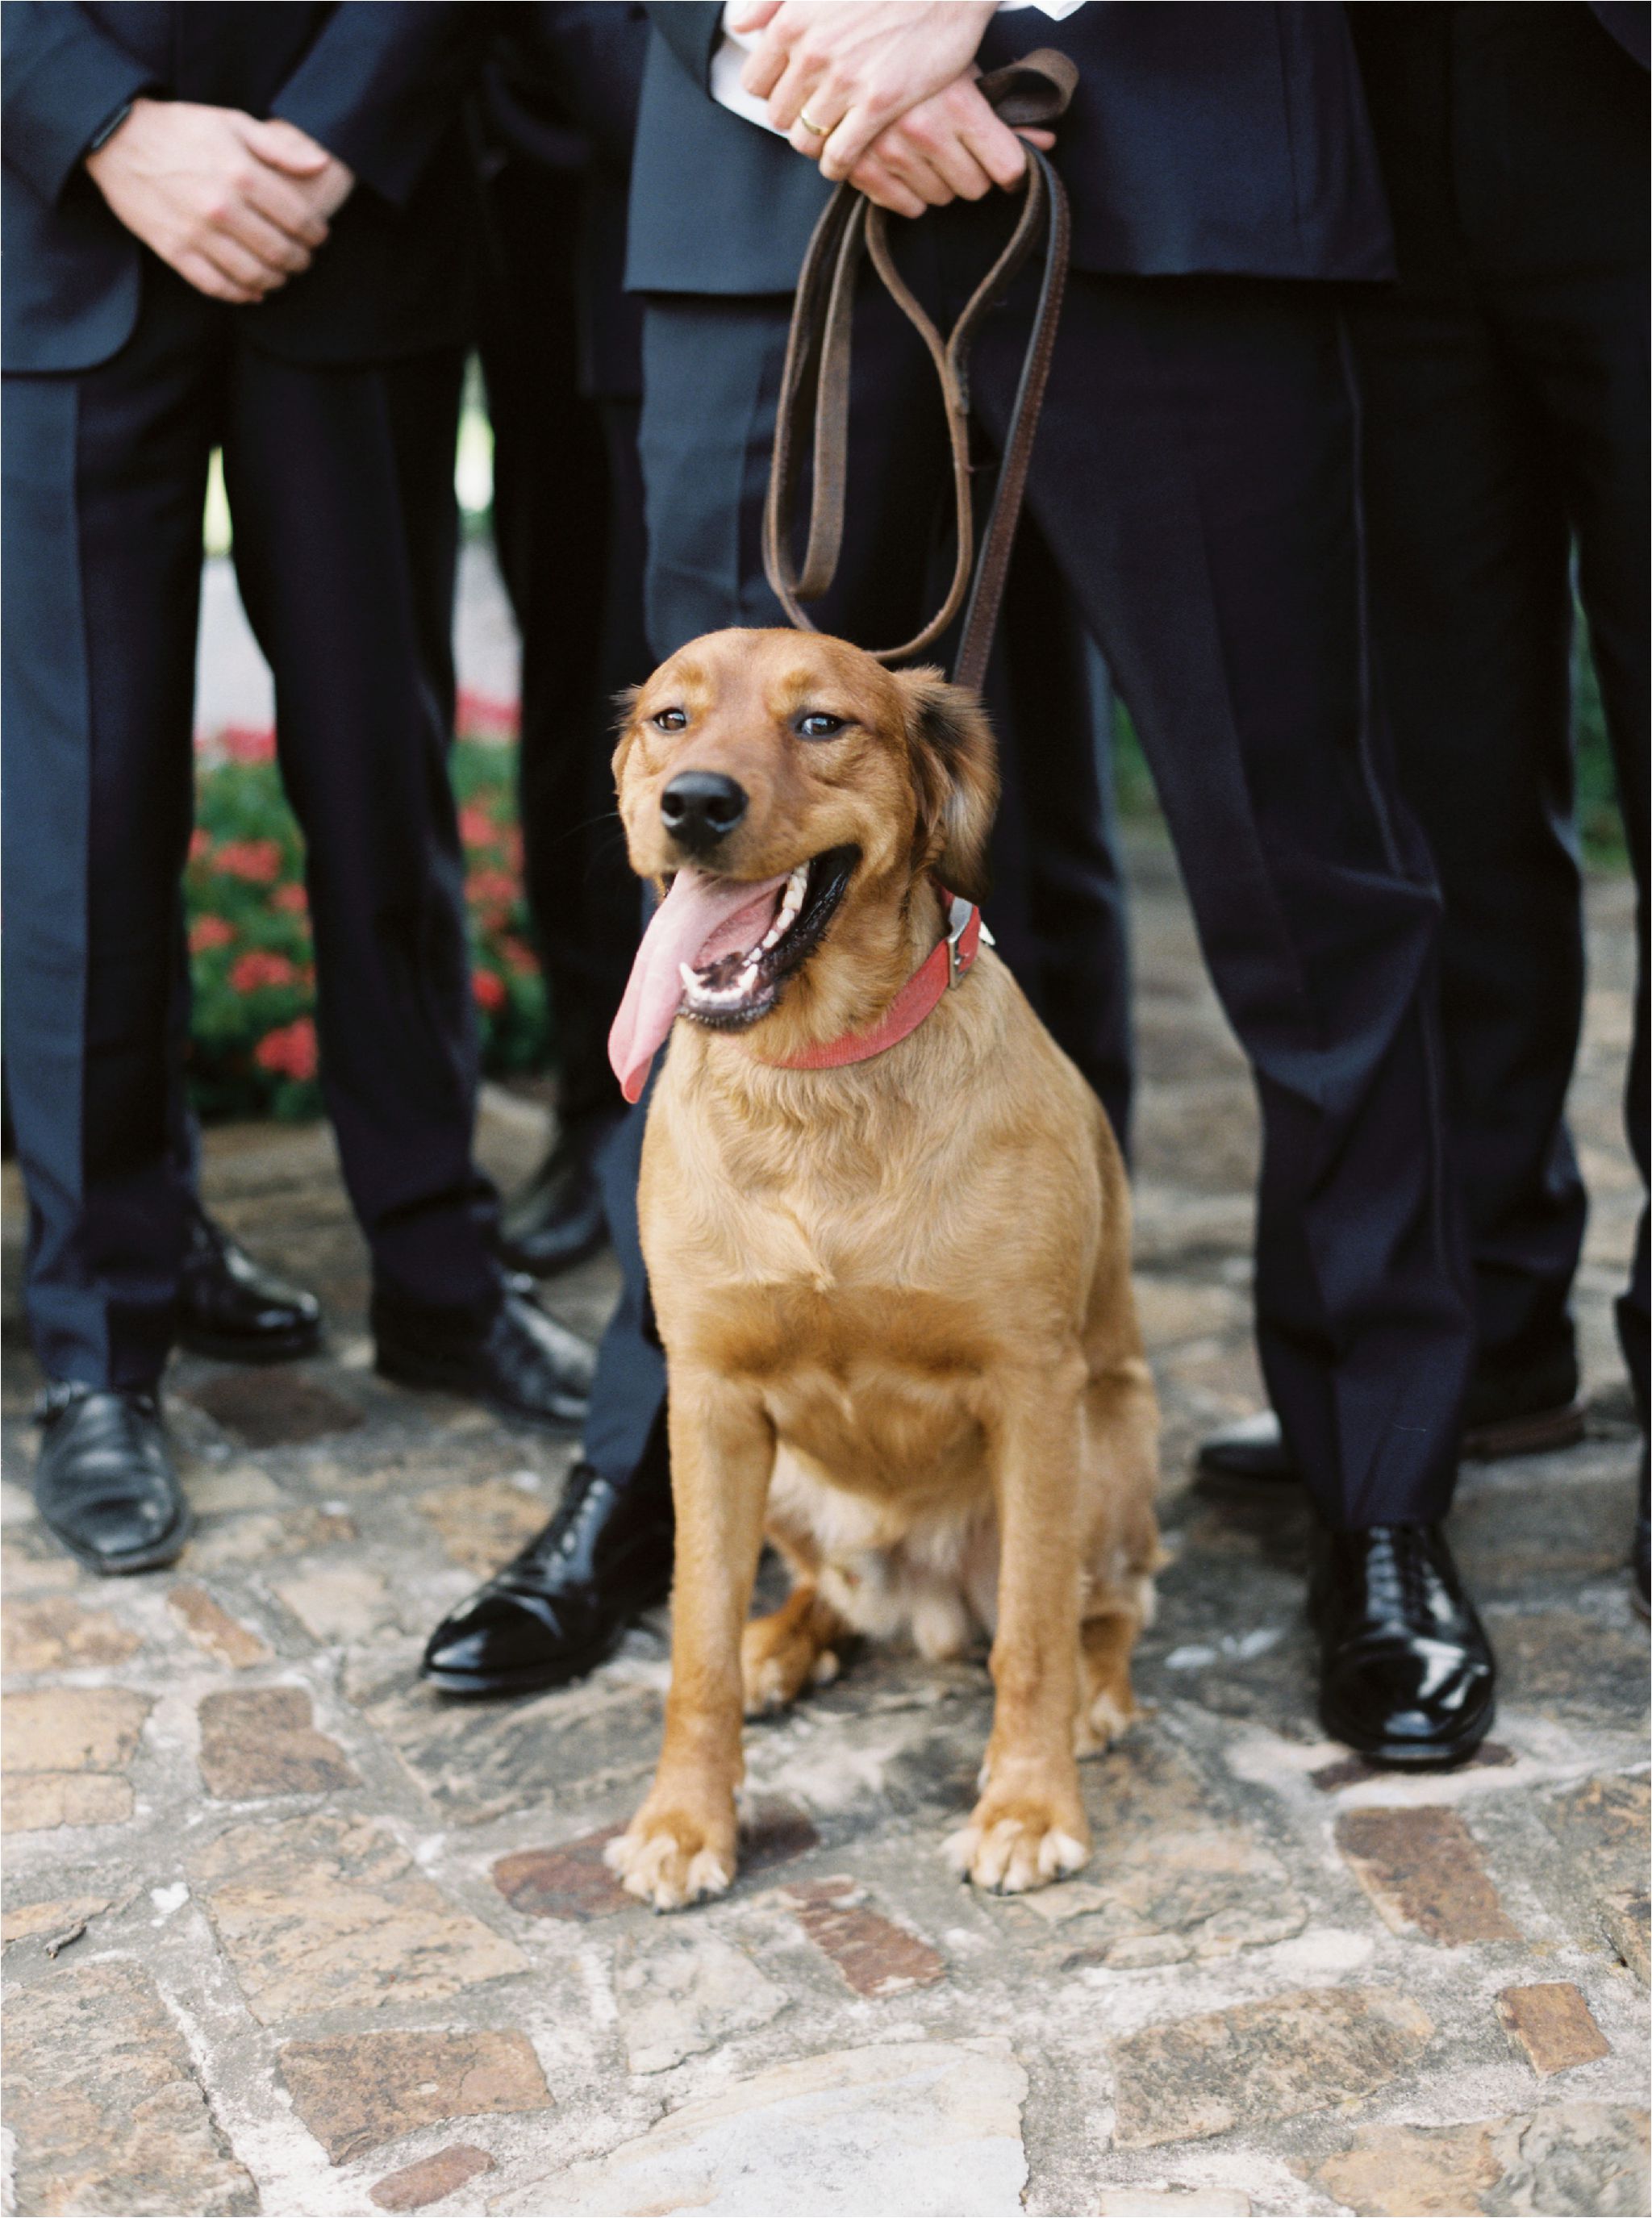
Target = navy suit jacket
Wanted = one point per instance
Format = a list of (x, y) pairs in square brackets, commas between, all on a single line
[(376, 83), (1205, 137)]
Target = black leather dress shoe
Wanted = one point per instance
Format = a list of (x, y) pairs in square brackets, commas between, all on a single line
[(557, 1610), (558, 1220), (520, 1362), (233, 1308), (1498, 1421), (104, 1479), (1406, 1677)]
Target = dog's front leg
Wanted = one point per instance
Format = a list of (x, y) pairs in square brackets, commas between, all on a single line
[(1030, 1827), (681, 1845)]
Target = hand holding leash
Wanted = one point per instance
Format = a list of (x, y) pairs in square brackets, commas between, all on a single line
[(952, 146)]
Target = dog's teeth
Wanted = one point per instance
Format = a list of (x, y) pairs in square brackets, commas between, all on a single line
[(796, 886), (790, 904), (700, 991), (705, 995)]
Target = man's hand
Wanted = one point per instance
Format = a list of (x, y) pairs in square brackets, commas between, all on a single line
[(949, 147), (854, 70), (237, 207)]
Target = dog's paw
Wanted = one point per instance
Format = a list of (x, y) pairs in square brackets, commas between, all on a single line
[(767, 1686), (1104, 1722), (776, 1666), (1014, 1846), (671, 1860)]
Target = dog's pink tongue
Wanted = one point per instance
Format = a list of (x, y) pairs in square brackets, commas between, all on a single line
[(696, 911)]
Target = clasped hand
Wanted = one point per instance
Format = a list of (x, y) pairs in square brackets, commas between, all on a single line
[(234, 205), (888, 88)]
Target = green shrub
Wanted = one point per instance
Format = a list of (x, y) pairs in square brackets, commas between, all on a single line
[(1599, 819), (252, 1033)]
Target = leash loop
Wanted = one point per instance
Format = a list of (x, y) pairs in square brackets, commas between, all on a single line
[(814, 402)]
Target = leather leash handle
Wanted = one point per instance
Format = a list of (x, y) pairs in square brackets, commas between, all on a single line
[(814, 381), (981, 616)]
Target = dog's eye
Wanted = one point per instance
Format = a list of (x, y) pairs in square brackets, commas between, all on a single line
[(671, 720), (817, 725)]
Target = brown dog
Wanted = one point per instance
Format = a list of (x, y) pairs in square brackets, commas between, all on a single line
[(894, 1295)]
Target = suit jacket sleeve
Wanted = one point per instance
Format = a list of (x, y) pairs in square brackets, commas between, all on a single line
[(690, 28), (381, 86), (585, 58), (63, 79)]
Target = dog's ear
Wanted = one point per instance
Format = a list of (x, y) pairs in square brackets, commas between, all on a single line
[(955, 774), (625, 703)]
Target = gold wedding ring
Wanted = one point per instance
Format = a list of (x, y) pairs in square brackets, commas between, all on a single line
[(814, 129)]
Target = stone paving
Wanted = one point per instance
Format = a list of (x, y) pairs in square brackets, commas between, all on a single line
[(287, 1932)]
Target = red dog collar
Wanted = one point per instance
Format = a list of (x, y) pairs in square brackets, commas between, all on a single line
[(946, 966)]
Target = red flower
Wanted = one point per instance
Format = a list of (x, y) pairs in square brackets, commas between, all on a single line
[(485, 715), (293, 899), (248, 743), (291, 1050), (489, 990), (518, 954), (258, 966), (487, 888), (259, 861), (200, 843), (209, 932), (476, 828)]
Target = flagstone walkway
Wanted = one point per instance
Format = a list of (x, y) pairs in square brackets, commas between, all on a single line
[(287, 1932)]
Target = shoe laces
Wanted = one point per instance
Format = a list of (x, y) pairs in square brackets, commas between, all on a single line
[(205, 1241), (1401, 1575), (561, 1537)]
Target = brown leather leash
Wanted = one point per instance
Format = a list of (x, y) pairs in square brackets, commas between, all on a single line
[(815, 382)]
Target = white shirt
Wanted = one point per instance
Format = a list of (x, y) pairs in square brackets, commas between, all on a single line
[(731, 57)]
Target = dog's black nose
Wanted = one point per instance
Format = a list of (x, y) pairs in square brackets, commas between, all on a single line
[(700, 807)]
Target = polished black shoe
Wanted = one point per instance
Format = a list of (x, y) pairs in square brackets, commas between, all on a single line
[(558, 1220), (104, 1480), (1499, 1421), (559, 1607), (520, 1361), (1406, 1672), (233, 1308)]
